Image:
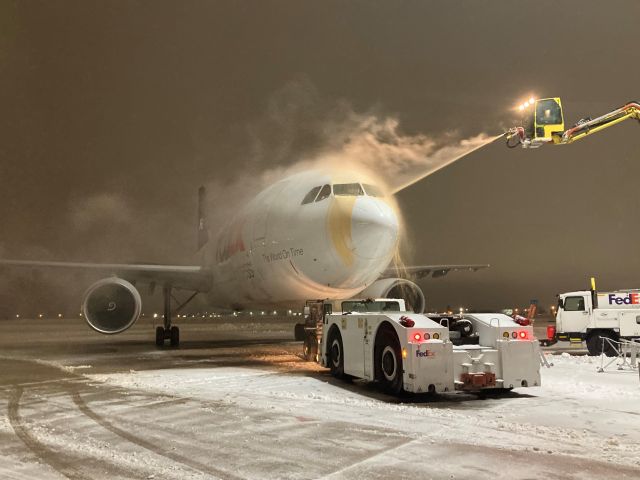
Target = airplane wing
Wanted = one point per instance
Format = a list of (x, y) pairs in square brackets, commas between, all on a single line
[(177, 276), (417, 272)]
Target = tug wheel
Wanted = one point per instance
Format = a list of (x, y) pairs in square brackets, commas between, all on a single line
[(388, 360), (336, 354)]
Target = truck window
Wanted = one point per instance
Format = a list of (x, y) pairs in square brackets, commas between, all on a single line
[(574, 304)]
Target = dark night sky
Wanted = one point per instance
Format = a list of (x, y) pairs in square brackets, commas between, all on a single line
[(112, 113)]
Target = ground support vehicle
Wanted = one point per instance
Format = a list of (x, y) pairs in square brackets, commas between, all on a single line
[(377, 340), (599, 318), (543, 123)]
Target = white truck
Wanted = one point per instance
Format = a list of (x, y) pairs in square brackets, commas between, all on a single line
[(378, 340), (590, 315)]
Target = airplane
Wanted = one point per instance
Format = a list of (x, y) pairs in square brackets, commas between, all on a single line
[(312, 235)]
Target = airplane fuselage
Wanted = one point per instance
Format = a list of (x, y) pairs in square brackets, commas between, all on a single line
[(311, 235)]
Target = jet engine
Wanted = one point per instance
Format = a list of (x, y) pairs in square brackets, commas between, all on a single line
[(397, 288), (111, 305)]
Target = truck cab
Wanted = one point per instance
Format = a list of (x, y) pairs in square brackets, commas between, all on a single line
[(574, 313)]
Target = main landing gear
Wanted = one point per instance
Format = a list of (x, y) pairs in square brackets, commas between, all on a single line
[(168, 331)]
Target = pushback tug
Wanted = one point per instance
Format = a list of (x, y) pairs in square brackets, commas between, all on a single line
[(378, 340)]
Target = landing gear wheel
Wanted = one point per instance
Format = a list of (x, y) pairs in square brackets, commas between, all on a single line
[(335, 354), (174, 336), (159, 336), (594, 343), (310, 348), (389, 363)]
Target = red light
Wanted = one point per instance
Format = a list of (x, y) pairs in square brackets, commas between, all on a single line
[(522, 334), (417, 337), (406, 322)]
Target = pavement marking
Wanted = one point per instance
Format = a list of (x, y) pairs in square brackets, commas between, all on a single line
[(368, 458)]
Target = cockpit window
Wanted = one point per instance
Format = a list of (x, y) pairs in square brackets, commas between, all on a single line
[(324, 193), (311, 196), (372, 190), (348, 189)]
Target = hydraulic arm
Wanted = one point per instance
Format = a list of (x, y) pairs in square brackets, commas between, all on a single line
[(543, 123)]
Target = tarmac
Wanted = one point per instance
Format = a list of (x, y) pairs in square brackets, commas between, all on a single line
[(235, 400)]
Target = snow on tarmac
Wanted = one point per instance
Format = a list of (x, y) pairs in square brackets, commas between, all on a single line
[(576, 412)]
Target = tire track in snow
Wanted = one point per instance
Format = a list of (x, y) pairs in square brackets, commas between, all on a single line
[(147, 445), (49, 456)]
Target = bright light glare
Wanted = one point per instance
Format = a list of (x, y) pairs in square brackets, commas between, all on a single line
[(531, 100), (521, 107)]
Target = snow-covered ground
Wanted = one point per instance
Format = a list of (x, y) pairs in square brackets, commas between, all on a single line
[(236, 401), (577, 412)]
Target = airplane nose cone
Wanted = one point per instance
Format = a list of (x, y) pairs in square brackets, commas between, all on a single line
[(374, 229)]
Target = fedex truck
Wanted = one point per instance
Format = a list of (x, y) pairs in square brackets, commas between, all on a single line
[(590, 315)]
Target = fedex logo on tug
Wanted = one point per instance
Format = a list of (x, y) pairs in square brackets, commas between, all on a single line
[(629, 299)]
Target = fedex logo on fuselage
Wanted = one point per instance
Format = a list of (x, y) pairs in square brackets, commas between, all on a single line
[(629, 299)]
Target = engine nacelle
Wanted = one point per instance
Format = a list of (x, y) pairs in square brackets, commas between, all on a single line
[(111, 305), (397, 288)]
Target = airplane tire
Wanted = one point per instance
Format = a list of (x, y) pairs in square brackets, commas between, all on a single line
[(174, 336), (389, 363), (159, 336), (336, 354)]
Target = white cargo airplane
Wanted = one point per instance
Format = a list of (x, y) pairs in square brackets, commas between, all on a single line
[(313, 235)]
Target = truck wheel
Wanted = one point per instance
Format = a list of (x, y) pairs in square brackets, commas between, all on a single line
[(336, 354), (594, 343), (310, 348), (389, 363)]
